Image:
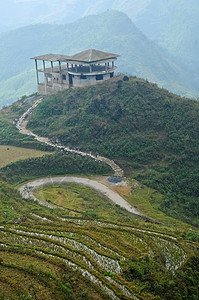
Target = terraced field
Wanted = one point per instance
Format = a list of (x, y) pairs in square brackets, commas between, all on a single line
[(49, 253), (53, 254)]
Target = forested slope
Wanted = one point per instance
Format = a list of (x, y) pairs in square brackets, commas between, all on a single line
[(151, 132)]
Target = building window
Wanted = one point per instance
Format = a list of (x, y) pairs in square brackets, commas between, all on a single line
[(111, 75), (64, 77), (83, 77), (99, 77)]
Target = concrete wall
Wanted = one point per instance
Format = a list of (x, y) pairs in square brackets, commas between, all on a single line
[(56, 87), (90, 80), (54, 82), (41, 89)]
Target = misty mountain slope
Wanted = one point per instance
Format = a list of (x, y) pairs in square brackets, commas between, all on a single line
[(175, 26), (173, 23), (15, 14), (111, 31)]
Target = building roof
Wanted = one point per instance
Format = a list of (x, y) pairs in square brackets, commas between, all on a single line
[(87, 56), (93, 55), (52, 57)]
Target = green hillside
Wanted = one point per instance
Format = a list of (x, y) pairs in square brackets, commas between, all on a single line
[(152, 133), (82, 246), (139, 55)]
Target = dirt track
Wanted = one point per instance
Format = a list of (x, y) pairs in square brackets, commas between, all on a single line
[(27, 189)]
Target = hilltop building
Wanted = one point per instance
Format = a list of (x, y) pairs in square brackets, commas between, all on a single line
[(82, 69)]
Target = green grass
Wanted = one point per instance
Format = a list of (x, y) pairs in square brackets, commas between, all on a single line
[(10, 154), (81, 201), (86, 201), (148, 201), (42, 278)]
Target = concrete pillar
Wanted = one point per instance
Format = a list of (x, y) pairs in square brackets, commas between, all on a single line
[(46, 83), (37, 71), (60, 71), (90, 68), (106, 66), (44, 65), (76, 68)]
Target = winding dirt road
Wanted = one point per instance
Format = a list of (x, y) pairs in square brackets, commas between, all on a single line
[(27, 190)]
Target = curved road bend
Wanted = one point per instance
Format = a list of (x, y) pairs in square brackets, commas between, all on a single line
[(27, 190)]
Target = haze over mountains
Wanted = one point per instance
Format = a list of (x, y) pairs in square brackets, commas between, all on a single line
[(174, 24), (166, 54), (111, 31)]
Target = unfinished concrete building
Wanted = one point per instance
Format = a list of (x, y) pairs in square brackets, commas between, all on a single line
[(61, 72)]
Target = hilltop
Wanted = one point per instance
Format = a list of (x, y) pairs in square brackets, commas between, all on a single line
[(152, 133)]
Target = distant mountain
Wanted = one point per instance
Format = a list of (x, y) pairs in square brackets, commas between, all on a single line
[(111, 31), (21, 13), (174, 24)]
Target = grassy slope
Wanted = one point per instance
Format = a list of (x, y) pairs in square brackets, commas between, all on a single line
[(152, 133), (11, 154)]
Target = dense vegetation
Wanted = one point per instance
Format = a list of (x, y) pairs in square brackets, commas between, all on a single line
[(54, 164), (139, 55), (152, 133)]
